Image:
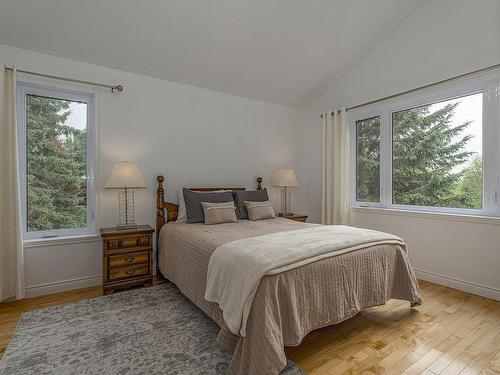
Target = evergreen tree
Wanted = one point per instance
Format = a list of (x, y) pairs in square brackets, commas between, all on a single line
[(56, 167), (426, 153), (368, 160), (469, 189)]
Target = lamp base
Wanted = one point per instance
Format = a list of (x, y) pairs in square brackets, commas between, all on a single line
[(126, 226), (285, 214), (126, 210)]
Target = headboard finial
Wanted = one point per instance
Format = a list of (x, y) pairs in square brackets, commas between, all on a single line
[(160, 205), (259, 183)]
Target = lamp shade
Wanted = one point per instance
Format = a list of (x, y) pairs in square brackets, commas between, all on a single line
[(285, 177), (125, 175)]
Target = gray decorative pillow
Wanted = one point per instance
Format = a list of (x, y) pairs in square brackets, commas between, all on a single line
[(259, 210), (248, 195), (193, 203), (182, 213), (217, 213)]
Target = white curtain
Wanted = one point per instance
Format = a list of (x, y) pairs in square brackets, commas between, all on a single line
[(335, 182), (11, 245)]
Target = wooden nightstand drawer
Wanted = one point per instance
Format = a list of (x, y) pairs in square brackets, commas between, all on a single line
[(118, 273), (126, 243), (127, 259)]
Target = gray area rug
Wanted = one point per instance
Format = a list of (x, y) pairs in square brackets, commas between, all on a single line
[(144, 331)]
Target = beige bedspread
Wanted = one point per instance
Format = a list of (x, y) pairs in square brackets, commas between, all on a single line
[(237, 267), (288, 305)]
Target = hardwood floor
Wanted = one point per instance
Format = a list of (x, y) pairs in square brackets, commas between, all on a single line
[(451, 333)]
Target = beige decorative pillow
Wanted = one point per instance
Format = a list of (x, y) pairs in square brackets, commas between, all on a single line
[(217, 213), (259, 210)]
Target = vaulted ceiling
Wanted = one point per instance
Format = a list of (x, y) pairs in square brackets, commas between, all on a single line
[(279, 51)]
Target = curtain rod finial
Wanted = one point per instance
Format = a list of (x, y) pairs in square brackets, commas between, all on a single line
[(117, 88)]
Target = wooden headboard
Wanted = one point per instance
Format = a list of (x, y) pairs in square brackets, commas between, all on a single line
[(172, 208)]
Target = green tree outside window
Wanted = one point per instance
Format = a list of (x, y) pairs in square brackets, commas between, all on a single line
[(56, 158)]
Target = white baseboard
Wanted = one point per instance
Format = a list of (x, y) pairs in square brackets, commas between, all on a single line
[(454, 283), (63, 285)]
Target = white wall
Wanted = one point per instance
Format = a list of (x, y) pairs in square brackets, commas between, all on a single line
[(190, 135), (442, 39)]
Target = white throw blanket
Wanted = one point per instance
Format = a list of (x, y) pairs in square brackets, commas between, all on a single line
[(237, 267)]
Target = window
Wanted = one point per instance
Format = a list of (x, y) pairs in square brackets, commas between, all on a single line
[(434, 151), (368, 160), (56, 159), (436, 154)]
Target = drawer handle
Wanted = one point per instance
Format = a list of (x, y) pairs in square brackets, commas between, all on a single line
[(129, 259), (130, 272)]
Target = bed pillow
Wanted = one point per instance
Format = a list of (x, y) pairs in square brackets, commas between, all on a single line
[(182, 213), (259, 210), (218, 213), (248, 195), (193, 201)]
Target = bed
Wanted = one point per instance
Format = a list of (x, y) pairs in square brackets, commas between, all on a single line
[(289, 304)]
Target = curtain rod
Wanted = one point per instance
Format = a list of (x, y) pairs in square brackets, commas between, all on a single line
[(90, 83), (491, 67)]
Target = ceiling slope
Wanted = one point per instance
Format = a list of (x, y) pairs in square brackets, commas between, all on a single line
[(278, 51)]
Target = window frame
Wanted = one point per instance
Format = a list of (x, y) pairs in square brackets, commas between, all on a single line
[(489, 84), (24, 89)]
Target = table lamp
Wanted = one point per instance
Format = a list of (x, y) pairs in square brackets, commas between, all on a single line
[(285, 178), (126, 177)]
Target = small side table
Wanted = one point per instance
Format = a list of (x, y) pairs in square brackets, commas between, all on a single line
[(127, 257), (297, 217)]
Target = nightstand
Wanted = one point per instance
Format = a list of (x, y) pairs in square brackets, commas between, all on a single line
[(297, 217), (127, 257)]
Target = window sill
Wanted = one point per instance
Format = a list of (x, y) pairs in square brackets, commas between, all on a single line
[(429, 215), (55, 241)]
